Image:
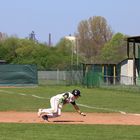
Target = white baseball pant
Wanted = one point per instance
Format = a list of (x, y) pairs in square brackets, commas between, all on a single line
[(54, 111)]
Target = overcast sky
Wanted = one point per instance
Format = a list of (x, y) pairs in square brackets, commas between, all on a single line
[(61, 17)]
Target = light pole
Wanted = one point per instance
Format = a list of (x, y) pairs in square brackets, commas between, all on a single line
[(77, 50)]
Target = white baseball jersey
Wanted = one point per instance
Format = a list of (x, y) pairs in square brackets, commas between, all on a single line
[(67, 97)]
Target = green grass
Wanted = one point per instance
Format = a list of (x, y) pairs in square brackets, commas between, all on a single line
[(10, 131), (115, 99), (108, 99)]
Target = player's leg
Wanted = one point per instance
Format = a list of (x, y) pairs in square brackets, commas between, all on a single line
[(51, 112), (52, 115), (57, 114)]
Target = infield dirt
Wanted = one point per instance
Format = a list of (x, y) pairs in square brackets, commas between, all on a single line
[(72, 118)]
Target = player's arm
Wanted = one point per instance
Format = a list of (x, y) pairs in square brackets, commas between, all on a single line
[(77, 108)]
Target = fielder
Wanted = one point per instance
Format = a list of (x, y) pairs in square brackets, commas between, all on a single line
[(57, 102)]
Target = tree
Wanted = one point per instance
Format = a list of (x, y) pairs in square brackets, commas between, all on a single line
[(64, 46), (92, 35), (64, 53), (115, 50), (9, 47)]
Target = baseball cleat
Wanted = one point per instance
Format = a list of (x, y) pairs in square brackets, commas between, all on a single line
[(45, 118), (39, 112)]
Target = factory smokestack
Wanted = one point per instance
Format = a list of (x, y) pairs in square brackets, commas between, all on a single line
[(50, 43)]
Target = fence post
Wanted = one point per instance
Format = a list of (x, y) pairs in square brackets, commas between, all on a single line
[(57, 76)]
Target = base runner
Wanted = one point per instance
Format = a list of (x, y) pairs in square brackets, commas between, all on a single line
[(57, 103)]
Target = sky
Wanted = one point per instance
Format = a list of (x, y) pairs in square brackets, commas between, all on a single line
[(61, 17)]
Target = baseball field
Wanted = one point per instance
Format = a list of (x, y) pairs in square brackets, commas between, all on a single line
[(112, 114)]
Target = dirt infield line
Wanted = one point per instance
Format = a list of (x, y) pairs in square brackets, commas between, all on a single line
[(72, 118)]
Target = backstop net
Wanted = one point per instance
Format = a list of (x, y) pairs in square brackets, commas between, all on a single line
[(12, 75)]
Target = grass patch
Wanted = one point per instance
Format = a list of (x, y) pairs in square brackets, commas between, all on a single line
[(22, 99), (13, 131)]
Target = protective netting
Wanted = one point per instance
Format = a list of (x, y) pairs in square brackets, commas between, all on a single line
[(99, 75), (11, 74), (93, 76)]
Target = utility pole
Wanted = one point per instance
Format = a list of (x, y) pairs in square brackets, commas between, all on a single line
[(77, 50)]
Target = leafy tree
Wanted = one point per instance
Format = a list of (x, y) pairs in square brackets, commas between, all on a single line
[(115, 50), (92, 35), (64, 53), (64, 46), (25, 51), (9, 47), (3, 50)]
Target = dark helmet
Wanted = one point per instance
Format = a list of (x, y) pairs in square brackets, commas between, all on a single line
[(76, 92)]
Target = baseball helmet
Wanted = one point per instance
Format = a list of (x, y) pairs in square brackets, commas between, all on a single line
[(76, 92)]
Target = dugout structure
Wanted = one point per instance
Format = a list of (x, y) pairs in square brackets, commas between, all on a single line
[(126, 72), (18, 75), (133, 52)]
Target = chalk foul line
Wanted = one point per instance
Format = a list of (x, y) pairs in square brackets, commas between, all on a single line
[(82, 105)]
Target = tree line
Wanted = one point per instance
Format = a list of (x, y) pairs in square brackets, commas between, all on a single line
[(95, 42)]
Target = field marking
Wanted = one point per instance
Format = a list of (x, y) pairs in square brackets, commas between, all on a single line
[(40, 97), (91, 107), (101, 108), (22, 94), (82, 105), (37, 96), (9, 92)]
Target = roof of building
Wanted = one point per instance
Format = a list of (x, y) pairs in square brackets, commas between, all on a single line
[(135, 39)]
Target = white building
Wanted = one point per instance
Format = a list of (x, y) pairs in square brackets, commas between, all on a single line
[(127, 72), (71, 38)]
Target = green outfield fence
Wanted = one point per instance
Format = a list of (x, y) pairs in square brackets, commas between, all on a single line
[(96, 78), (13, 75)]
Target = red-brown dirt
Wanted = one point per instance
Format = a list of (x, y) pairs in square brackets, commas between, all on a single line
[(72, 118)]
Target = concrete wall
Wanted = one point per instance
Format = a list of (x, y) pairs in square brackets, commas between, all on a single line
[(127, 72)]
